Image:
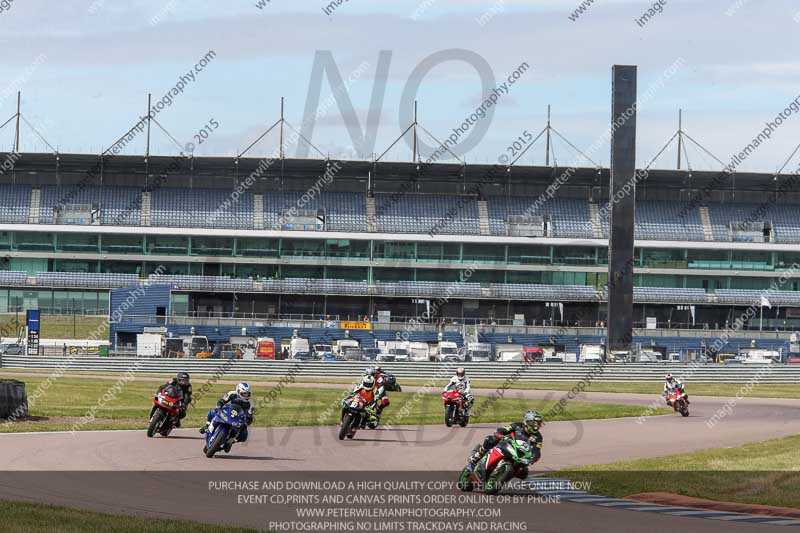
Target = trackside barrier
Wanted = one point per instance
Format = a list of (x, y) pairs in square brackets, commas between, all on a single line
[(623, 372)]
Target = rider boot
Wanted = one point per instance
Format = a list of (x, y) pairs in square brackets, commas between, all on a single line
[(476, 456)]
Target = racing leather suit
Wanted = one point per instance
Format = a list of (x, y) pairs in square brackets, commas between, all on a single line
[(370, 397), (519, 431), (675, 385), (381, 399), (187, 399), (464, 386), (246, 405)]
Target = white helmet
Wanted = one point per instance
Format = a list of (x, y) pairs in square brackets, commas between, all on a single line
[(243, 390), (367, 382)]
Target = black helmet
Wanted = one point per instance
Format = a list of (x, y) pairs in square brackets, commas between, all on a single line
[(533, 420), (182, 378)]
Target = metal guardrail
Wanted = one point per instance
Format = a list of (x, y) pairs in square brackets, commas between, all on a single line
[(570, 372)]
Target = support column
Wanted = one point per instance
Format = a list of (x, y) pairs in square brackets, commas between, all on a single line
[(622, 192)]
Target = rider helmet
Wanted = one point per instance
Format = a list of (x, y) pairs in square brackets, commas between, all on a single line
[(460, 373), (243, 390), (532, 421), (669, 378), (367, 382), (182, 378), (370, 371)]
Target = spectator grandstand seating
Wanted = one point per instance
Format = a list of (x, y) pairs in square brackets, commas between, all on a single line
[(426, 289), (668, 295), (406, 213), (784, 219), (210, 208), (786, 223), (663, 221), (209, 283), (749, 297), (722, 215), (13, 278), (118, 205), (434, 289), (343, 211), (569, 217), (423, 213), (315, 286), (15, 203), (88, 280), (514, 291)]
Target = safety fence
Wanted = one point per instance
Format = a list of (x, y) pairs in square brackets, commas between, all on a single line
[(611, 372)]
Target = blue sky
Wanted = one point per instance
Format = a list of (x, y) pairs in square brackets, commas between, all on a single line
[(85, 68)]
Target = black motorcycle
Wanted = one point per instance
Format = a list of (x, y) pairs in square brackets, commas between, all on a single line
[(355, 414)]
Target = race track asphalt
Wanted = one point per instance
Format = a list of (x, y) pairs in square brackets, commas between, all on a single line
[(134, 474)]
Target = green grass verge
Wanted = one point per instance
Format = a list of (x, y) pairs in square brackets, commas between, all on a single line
[(57, 327), (762, 473), (120, 404), (760, 390), (36, 518)]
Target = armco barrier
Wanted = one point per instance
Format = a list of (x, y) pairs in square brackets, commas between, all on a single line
[(776, 373)]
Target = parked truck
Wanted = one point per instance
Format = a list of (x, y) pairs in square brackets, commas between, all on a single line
[(400, 351), (647, 356), (265, 348), (299, 345), (149, 345), (418, 351), (479, 351), (509, 352), (592, 353), (532, 354), (245, 344), (322, 349), (342, 345), (448, 351), (759, 356), (196, 346)]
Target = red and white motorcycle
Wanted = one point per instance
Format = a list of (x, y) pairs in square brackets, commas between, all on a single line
[(677, 399), (455, 408)]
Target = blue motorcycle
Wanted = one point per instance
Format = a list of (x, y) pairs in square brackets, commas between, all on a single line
[(228, 421)]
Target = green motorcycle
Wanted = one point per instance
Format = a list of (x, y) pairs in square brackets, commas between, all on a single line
[(508, 459)]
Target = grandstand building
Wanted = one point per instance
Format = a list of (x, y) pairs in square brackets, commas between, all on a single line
[(354, 238)]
